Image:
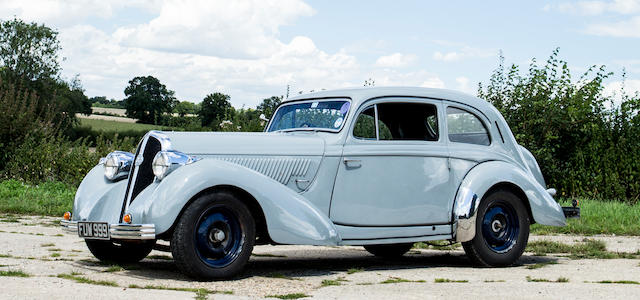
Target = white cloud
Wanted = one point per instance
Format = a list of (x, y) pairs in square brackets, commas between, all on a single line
[(464, 52), (630, 65), (449, 56), (613, 89), (214, 46), (433, 82), (69, 12), (628, 28), (395, 60), (593, 8), (235, 29), (106, 66), (463, 85), (625, 28)]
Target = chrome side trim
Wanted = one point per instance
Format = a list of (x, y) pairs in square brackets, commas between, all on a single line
[(69, 226), (119, 231), (464, 215)]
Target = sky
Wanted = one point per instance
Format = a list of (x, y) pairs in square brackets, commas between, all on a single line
[(254, 49)]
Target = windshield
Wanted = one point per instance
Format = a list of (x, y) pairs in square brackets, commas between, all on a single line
[(327, 115)]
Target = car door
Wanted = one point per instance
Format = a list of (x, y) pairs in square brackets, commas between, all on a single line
[(394, 169)]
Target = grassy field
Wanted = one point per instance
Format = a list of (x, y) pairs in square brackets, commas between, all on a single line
[(50, 198), (598, 217), (104, 125)]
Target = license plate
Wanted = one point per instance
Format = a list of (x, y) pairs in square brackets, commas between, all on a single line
[(93, 230)]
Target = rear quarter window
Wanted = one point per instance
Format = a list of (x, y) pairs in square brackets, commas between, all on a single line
[(465, 127)]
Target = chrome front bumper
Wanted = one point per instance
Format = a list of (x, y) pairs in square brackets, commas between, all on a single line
[(119, 231)]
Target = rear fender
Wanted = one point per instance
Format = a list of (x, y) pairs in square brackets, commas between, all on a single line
[(474, 187), (290, 218)]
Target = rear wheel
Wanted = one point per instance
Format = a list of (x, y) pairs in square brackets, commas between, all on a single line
[(120, 251), (502, 230), (214, 237), (389, 250)]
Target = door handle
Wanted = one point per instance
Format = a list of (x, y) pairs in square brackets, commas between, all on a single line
[(352, 163)]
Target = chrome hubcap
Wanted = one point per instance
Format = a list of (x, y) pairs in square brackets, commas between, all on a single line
[(217, 236), (496, 226)]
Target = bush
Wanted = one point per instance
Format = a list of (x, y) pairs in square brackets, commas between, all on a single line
[(584, 146), (58, 159), (21, 117)]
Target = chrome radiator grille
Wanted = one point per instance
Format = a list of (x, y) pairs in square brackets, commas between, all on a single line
[(141, 174)]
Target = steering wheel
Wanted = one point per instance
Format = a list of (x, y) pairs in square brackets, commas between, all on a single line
[(430, 130)]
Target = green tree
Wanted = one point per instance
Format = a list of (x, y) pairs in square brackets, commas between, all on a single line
[(214, 108), (29, 51), (29, 61), (269, 105), (71, 97), (185, 107), (99, 99), (583, 146), (148, 99)]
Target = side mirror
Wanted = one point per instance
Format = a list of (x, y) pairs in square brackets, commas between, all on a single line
[(263, 118)]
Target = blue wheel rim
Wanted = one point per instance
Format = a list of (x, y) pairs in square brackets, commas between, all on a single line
[(500, 227), (218, 237)]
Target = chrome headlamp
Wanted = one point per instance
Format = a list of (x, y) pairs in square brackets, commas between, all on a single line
[(166, 161), (117, 164)]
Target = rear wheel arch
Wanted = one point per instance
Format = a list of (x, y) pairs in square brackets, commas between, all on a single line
[(516, 190)]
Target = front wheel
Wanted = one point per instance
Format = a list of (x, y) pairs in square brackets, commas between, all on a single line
[(214, 237), (120, 251), (502, 230)]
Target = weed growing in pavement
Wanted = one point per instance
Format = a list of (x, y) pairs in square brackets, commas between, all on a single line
[(541, 264), (399, 280), (14, 273), (289, 296), (445, 280), (79, 279)]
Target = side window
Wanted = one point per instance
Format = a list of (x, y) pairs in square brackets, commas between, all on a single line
[(465, 127), (408, 121), (365, 127)]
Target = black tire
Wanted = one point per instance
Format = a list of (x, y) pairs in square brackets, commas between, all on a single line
[(389, 250), (120, 251), (222, 246), (502, 231)]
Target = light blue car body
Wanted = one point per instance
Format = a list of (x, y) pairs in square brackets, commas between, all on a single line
[(330, 188)]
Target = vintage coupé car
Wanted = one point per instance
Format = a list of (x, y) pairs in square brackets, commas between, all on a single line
[(378, 167)]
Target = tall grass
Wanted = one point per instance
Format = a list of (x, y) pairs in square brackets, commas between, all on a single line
[(599, 217), (49, 198)]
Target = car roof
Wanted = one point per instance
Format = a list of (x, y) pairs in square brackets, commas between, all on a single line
[(362, 94)]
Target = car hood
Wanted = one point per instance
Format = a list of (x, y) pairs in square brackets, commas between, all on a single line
[(246, 143)]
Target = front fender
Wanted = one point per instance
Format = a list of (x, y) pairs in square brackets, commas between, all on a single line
[(290, 218), (98, 199), (479, 180)]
